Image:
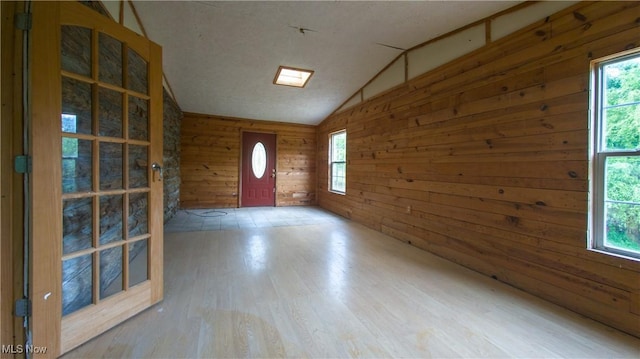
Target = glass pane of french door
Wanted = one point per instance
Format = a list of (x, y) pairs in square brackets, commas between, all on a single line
[(105, 170)]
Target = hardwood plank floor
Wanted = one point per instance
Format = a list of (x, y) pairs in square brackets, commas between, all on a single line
[(341, 290)]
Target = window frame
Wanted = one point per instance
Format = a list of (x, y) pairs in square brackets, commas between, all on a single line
[(598, 156), (332, 161)]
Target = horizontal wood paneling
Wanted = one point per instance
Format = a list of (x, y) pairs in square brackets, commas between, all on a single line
[(484, 161), (210, 161)]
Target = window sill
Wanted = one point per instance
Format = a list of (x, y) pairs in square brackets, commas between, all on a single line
[(336, 192), (614, 254)]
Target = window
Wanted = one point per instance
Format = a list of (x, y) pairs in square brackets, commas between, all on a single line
[(69, 154), (615, 161), (289, 76), (259, 160), (338, 161)]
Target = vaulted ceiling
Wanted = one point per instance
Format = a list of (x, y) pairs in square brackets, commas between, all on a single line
[(220, 58)]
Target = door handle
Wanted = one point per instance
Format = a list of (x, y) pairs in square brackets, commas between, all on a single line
[(157, 169), (273, 173)]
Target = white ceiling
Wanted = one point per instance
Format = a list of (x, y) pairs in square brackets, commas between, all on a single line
[(220, 58)]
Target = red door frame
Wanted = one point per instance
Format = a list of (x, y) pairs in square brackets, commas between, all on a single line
[(256, 192)]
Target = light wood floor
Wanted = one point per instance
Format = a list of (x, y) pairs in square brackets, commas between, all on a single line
[(341, 291)]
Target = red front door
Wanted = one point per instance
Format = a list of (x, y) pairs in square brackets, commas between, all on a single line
[(258, 169)]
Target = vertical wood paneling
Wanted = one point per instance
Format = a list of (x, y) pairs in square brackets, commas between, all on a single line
[(11, 208), (484, 161), (210, 161), (45, 277)]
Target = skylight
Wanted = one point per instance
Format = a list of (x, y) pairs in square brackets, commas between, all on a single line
[(289, 76)]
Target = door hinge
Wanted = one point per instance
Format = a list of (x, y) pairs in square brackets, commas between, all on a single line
[(23, 21), (22, 308), (22, 164)]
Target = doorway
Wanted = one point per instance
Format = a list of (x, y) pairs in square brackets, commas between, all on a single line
[(258, 169)]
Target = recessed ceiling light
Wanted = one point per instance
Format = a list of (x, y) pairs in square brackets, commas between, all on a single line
[(289, 76)]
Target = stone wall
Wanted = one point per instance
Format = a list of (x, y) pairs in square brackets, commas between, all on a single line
[(78, 213), (172, 117), (171, 157)]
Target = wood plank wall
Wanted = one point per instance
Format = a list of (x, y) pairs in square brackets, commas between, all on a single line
[(483, 161), (11, 208), (210, 160)]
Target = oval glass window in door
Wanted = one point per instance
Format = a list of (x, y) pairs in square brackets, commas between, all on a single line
[(259, 160)]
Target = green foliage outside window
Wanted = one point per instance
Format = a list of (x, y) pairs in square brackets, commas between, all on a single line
[(338, 168), (621, 133)]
